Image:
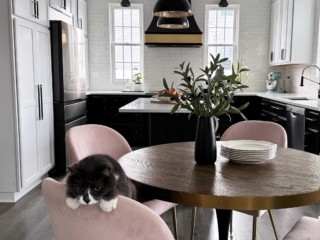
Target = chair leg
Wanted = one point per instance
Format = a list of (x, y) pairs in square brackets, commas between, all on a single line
[(231, 224), (175, 224), (193, 222), (254, 228), (273, 224)]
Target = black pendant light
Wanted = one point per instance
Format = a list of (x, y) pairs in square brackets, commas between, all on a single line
[(223, 3), (173, 23), (172, 9), (125, 3)]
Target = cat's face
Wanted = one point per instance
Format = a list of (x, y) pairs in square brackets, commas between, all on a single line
[(89, 184)]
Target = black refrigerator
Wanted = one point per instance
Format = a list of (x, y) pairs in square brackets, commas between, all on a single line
[(69, 77)]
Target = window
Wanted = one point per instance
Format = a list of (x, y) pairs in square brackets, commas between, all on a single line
[(222, 34), (126, 25)]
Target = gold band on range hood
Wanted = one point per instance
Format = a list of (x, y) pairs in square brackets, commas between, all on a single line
[(173, 39)]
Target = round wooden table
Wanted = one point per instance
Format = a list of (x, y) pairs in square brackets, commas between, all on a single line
[(171, 174)]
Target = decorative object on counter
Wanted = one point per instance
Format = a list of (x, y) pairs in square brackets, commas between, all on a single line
[(125, 3), (127, 86), (163, 95), (244, 76), (303, 77), (172, 9), (223, 3), (173, 23), (137, 78), (273, 83), (209, 100)]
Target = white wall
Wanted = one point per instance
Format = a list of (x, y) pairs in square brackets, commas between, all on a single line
[(295, 71), (159, 62)]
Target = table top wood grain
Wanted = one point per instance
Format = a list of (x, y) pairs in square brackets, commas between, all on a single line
[(170, 173)]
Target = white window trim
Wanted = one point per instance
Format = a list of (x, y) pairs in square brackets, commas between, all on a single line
[(113, 6), (236, 7)]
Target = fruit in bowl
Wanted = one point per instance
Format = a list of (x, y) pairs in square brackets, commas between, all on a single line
[(162, 95)]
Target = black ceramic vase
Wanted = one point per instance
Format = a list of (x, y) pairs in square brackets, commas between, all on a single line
[(205, 151)]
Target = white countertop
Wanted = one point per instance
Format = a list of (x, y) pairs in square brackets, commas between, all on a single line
[(144, 105), (119, 93)]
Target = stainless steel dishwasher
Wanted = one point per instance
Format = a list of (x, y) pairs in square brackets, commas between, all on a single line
[(296, 127)]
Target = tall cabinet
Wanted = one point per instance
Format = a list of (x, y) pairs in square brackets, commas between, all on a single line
[(27, 92), (291, 32)]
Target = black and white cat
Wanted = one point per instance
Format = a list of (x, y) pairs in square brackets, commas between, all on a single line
[(98, 179)]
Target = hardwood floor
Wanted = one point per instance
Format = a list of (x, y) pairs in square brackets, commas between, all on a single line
[(28, 219)]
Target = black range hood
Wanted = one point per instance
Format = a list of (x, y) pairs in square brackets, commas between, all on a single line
[(162, 37)]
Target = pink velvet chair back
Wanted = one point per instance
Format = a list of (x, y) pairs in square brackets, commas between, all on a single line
[(129, 221), (257, 130), (86, 140)]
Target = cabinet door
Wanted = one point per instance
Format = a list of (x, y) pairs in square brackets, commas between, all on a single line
[(274, 33), (30, 9), (56, 4), (82, 15), (66, 7), (28, 99), (43, 77), (286, 31)]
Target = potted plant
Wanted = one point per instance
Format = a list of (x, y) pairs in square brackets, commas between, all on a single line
[(137, 78), (208, 96)]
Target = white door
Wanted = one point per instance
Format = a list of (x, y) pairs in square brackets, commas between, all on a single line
[(274, 33), (28, 98), (33, 10), (286, 31), (82, 15), (44, 79)]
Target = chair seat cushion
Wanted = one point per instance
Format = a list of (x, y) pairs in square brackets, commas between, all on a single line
[(254, 213), (159, 206), (305, 229)]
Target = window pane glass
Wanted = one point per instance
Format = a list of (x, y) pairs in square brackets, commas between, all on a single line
[(127, 17), (118, 32), (213, 51), (229, 36), (119, 70), (221, 18), (118, 17), (127, 54), (127, 35), (118, 53), (212, 18), (127, 71), (220, 35), (229, 18), (135, 35), (135, 18), (136, 54)]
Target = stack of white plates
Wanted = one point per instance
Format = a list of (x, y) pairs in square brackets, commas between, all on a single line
[(248, 151)]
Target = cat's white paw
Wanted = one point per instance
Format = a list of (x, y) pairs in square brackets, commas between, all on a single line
[(108, 206), (73, 203)]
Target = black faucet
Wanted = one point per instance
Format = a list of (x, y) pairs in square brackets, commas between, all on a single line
[(303, 77)]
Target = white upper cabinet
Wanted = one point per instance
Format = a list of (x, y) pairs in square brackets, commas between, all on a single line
[(63, 6), (33, 10), (82, 16), (291, 32)]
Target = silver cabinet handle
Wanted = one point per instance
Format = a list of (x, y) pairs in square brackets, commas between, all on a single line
[(271, 56), (41, 101), (283, 54), (277, 108)]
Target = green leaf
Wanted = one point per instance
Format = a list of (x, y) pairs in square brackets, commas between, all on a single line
[(175, 108), (223, 60), (244, 106), (165, 84), (244, 70)]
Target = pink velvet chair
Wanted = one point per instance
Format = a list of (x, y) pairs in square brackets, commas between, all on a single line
[(305, 229), (260, 131), (86, 140), (129, 221)]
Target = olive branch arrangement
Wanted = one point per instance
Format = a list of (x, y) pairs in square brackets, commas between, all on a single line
[(213, 100)]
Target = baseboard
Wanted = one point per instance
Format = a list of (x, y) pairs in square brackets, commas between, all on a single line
[(15, 196)]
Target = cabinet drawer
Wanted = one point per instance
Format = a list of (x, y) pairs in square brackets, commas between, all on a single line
[(311, 143), (115, 117), (278, 109), (312, 120), (130, 132), (120, 101), (265, 104)]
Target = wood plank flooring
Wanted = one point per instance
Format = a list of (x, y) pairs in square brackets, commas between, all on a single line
[(28, 219)]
